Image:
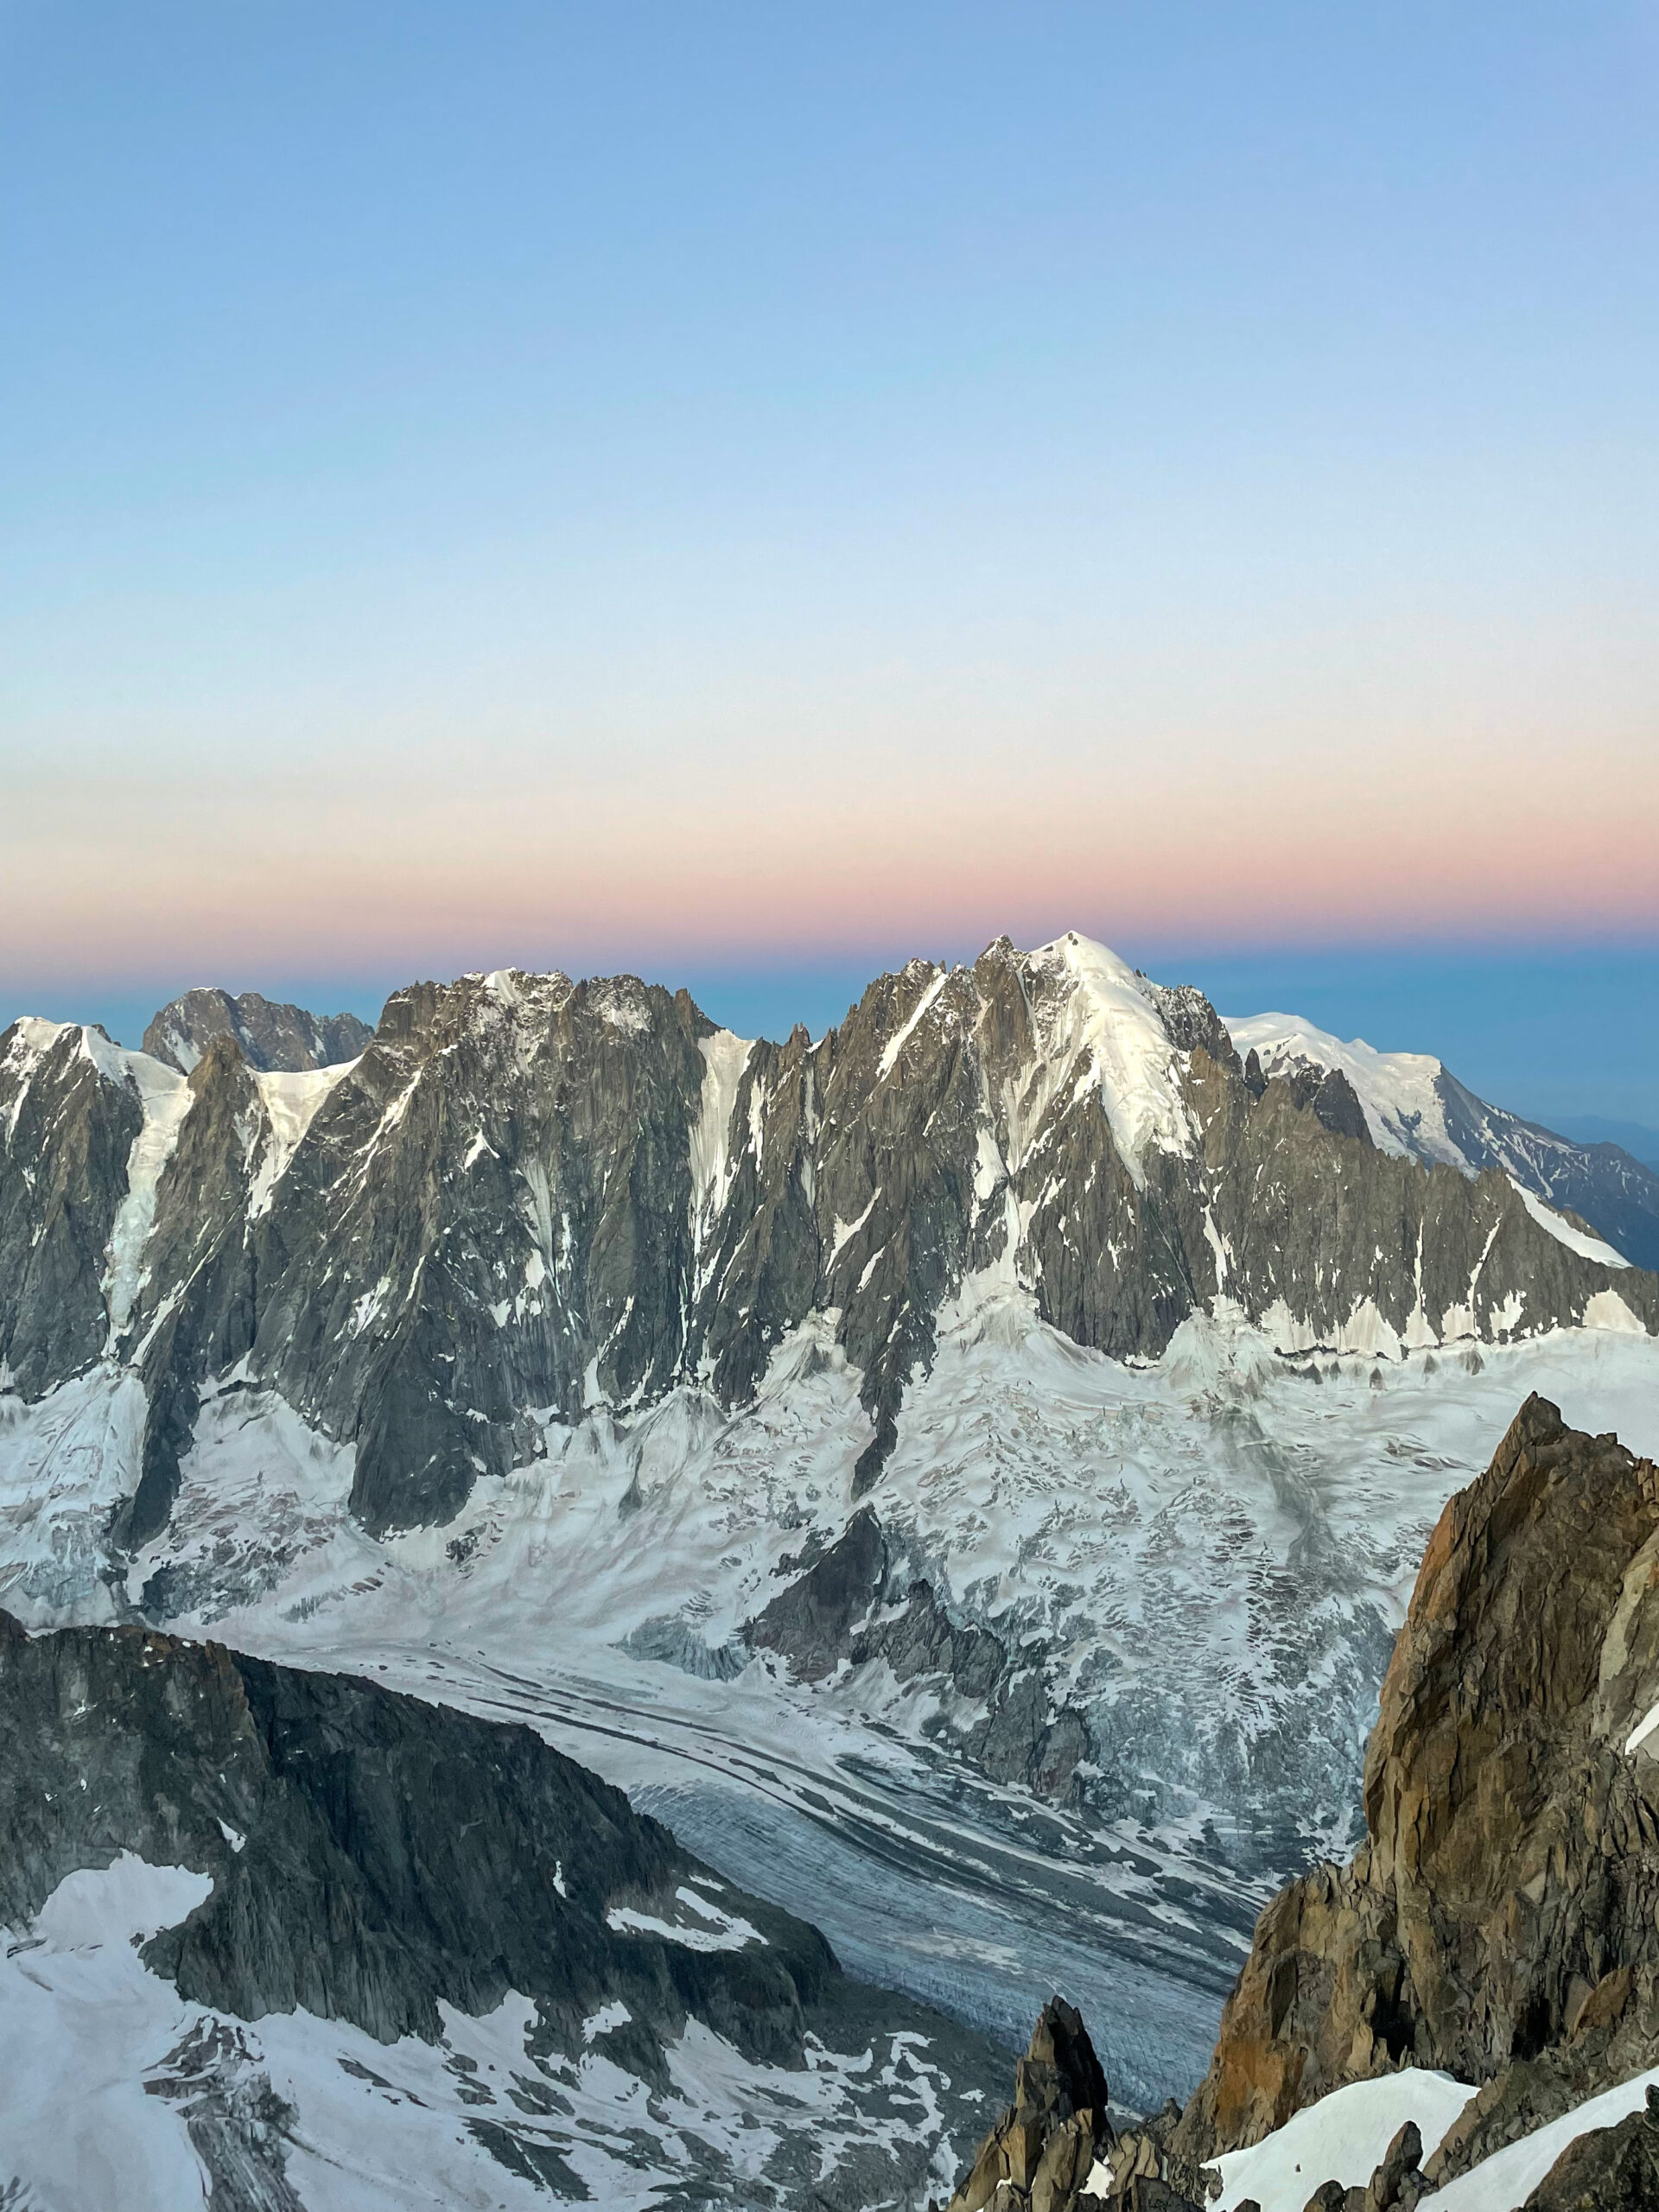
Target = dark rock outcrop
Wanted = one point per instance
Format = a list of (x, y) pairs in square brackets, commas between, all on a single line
[(382, 1853), (1396, 2185), (391, 1853), (1609, 2169), (1042, 2151), (859, 1602), (373, 1857), (270, 1033), (68, 1117), (1612, 1193), (1502, 1920)]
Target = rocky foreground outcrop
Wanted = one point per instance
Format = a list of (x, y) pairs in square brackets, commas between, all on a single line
[(1502, 1920), (1055, 2149), (1609, 2169)]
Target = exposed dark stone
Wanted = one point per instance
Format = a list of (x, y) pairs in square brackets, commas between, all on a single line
[(270, 1034), (1397, 2180), (371, 1855), (811, 1621), (825, 1617), (1614, 1194), (239, 2126), (66, 1131), (334, 1899)]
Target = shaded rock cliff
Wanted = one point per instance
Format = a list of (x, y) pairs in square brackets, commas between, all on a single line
[(383, 1862)]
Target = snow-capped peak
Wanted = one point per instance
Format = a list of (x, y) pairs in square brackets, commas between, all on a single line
[(1399, 1092), (1098, 1028)]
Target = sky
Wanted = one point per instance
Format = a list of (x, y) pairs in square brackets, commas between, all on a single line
[(747, 494)]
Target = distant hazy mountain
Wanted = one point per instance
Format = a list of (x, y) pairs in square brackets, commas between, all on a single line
[(1632, 1136), (1415, 1108)]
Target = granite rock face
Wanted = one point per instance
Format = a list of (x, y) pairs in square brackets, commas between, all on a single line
[(69, 1118), (1041, 2151), (1502, 1920), (271, 1034), (1055, 2148), (530, 1197)]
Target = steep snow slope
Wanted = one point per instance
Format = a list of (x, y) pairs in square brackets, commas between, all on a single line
[(1401, 1092), (1343, 2137)]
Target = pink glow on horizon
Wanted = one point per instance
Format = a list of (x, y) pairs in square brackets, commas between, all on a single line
[(462, 886)]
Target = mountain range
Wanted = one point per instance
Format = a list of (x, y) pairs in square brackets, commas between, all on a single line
[(966, 1474), (531, 1193)]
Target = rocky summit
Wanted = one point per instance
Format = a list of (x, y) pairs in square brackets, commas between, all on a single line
[(1501, 1921), (269, 1035)]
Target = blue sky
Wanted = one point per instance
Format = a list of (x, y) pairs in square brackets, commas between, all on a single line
[(743, 493)]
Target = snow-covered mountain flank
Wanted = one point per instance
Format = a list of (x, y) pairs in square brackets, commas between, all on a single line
[(1415, 1108), (972, 1466)]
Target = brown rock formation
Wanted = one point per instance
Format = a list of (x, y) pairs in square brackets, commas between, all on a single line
[(1044, 2148), (1502, 1921)]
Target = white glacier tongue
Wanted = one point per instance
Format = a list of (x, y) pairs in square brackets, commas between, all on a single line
[(167, 1098), (724, 1059), (291, 1098)]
